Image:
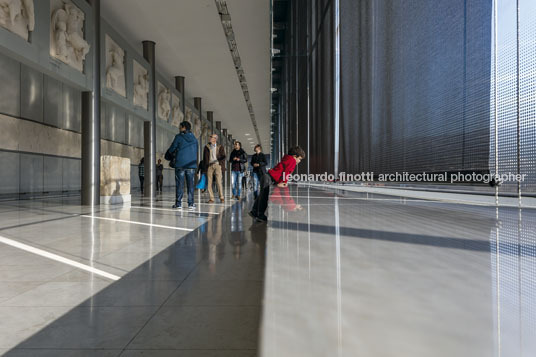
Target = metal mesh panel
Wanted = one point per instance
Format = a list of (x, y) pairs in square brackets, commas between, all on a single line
[(513, 98), (415, 86), (527, 92)]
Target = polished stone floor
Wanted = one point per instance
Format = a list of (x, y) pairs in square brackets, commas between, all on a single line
[(129, 281), (354, 274), (333, 273)]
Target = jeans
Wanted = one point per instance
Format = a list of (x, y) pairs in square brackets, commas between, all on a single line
[(256, 183), (261, 202), (214, 170), (179, 182), (237, 183), (159, 182)]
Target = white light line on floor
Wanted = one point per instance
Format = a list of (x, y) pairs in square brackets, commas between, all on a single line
[(172, 210), (57, 258), (357, 198), (208, 204), (140, 223)]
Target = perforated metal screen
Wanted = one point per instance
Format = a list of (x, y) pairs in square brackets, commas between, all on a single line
[(415, 85)]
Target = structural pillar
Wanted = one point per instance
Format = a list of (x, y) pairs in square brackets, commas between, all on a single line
[(149, 127), (91, 121), (210, 118), (202, 142), (197, 105), (179, 85)]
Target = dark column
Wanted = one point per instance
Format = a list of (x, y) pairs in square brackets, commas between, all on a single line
[(149, 127), (197, 105), (179, 85), (203, 141), (210, 118), (218, 125), (91, 121)]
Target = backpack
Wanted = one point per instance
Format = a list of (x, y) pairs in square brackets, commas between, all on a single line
[(171, 157)]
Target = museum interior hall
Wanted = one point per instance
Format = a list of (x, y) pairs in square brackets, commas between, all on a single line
[(271, 178)]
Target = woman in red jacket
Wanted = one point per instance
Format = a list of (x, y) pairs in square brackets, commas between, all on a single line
[(277, 176)]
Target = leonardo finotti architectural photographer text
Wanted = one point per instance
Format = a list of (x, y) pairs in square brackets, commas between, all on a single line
[(446, 177)]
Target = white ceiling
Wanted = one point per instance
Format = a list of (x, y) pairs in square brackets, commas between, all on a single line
[(190, 42)]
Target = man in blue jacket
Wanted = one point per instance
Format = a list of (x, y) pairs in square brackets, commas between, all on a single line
[(184, 148)]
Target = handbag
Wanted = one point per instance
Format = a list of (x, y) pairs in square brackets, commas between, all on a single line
[(171, 157), (202, 184)]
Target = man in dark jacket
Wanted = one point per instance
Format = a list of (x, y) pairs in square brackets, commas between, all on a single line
[(238, 159), (258, 161), (214, 162), (141, 174), (159, 176), (184, 148)]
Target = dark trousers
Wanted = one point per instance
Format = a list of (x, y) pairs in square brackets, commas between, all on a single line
[(142, 178), (180, 176), (159, 181), (261, 202)]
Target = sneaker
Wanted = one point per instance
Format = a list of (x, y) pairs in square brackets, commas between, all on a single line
[(262, 218), (192, 207), (237, 198), (222, 200), (252, 214), (210, 201), (175, 206)]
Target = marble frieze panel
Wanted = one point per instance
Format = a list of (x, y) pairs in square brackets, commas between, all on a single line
[(141, 85), (67, 38), (18, 16), (115, 67), (196, 125), (14, 134), (188, 116), (177, 116), (163, 102)]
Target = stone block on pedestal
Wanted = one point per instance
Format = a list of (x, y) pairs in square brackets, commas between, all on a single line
[(115, 180)]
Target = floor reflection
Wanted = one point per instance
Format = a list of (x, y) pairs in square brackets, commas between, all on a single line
[(178, 290), (388, 276)]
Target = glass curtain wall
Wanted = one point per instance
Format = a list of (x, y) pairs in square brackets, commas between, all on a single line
[(425, 86)]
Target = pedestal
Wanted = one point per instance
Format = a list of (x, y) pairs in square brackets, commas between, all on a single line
[(115, 180)]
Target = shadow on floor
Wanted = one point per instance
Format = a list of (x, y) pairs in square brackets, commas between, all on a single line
[(200, 296)]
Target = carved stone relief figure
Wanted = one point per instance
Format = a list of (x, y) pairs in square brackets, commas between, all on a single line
[(197, 127), (188, 114), (17, 16), (177, 115), (164, 97), (204, 129), (115, 67), (141, 85), (67, 35)]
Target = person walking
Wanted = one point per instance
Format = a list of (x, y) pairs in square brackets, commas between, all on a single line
[(159, 176), (141, 174), (214, 162), (258, 162), (184, 151), (238, 159), (277, 176)]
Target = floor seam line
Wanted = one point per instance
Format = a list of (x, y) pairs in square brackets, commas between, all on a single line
[(169, 296)]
